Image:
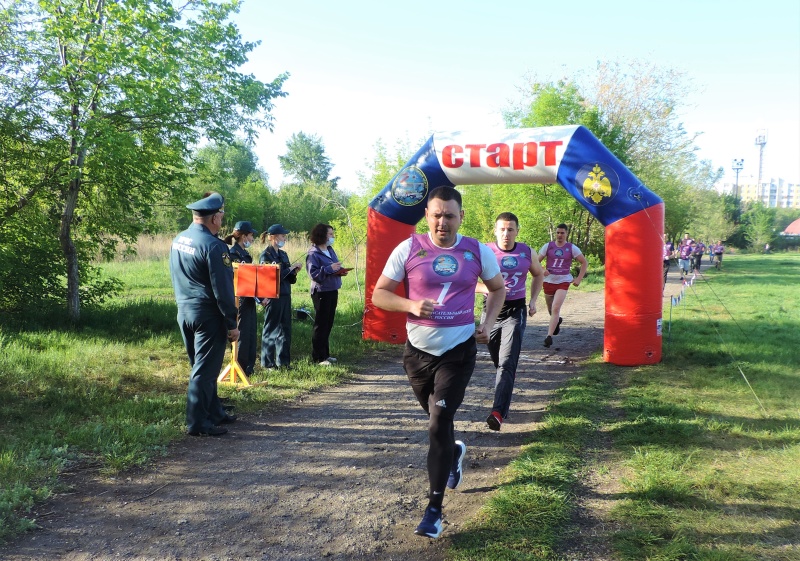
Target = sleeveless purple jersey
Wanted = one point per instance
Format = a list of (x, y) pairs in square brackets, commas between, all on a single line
[(445, 275), (514, 266), (559, 259), (667, 250)]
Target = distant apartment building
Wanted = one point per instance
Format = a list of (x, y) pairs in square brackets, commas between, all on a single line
[(774, 193)]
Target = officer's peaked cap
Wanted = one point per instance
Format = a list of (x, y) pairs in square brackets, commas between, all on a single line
[(209, 205)]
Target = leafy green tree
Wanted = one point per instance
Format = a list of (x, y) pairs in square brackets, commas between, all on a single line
[(312, 197), (101, 103), (306, 162), (642, 99), (232, 170), (300, 206), (760, 225)]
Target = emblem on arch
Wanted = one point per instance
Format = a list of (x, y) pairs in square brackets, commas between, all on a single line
[(410, 187), (600, 183)]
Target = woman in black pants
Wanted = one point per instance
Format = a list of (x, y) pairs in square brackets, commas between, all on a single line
[(326, 274)]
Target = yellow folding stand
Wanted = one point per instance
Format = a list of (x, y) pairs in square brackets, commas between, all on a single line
[(234, 370), (249, 281)]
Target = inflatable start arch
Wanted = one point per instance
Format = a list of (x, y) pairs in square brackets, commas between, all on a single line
[(571, 156)]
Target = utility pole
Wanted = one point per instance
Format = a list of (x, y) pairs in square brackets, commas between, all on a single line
[(761, 141), (738, 164)]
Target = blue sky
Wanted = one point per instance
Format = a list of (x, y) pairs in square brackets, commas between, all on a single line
[(363, 71)]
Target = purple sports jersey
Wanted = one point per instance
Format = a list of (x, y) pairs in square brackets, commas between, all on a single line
[(445, 275), (685, 251), (514, 266), (559, 259), (667, 251)]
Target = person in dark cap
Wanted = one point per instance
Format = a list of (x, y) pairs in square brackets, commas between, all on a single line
[(240, 239), (276, 337), (202, 279)]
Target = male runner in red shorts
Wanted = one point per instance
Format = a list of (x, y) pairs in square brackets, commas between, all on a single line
[(558, 276)]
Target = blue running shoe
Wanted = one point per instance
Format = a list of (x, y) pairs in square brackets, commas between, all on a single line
[(456, 472), (431, 525)]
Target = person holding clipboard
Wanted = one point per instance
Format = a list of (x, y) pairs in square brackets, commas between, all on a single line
[(276, 337), (326, 274)]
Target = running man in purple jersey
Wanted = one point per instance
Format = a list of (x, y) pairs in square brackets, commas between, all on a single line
[(697, 255), (718, 250), (559, 255), (685, 255), (516, 261), (440, 270)]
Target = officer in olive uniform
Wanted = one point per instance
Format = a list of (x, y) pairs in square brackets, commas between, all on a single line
[(276, 337), (242, 238), (202, 279)]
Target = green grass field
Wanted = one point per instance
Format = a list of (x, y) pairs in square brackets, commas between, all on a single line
[(111, 393), (697, 457)]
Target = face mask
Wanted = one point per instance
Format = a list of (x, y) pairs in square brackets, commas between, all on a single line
[(281, 243), (247, 244), (330, 241)]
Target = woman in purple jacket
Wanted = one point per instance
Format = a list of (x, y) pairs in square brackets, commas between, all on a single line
[(326, 274)]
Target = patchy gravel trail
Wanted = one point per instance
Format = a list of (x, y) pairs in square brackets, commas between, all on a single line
[(339, 474)]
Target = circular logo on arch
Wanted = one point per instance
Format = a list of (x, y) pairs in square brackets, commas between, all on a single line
[(508, 262), (599, 183), (410, 187), (445, 265)]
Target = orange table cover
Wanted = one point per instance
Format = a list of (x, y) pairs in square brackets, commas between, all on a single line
[(260, 281)]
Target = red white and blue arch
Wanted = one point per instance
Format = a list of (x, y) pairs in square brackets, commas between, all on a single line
[(571, 156)]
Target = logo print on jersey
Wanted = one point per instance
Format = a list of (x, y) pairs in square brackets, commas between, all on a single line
[(410, 186), (422, 253), (469, 256), (445, 265), (559, 252), (599, 183), (509, 262)]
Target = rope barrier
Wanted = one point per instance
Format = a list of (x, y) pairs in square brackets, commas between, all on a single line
[(680, 298), (725, 345)]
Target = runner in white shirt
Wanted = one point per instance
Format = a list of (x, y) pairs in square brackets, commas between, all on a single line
[(559, 255)]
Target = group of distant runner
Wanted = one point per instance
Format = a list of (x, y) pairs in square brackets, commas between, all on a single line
[(689, 254)]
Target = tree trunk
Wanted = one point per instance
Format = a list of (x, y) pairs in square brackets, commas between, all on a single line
[(77, 158), (70, 254)]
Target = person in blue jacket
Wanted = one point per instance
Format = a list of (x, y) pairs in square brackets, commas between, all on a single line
[(276, 338), (326, 279), (242, 238), (202, 278)]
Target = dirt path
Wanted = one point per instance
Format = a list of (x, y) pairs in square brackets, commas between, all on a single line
[(338, 475)]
